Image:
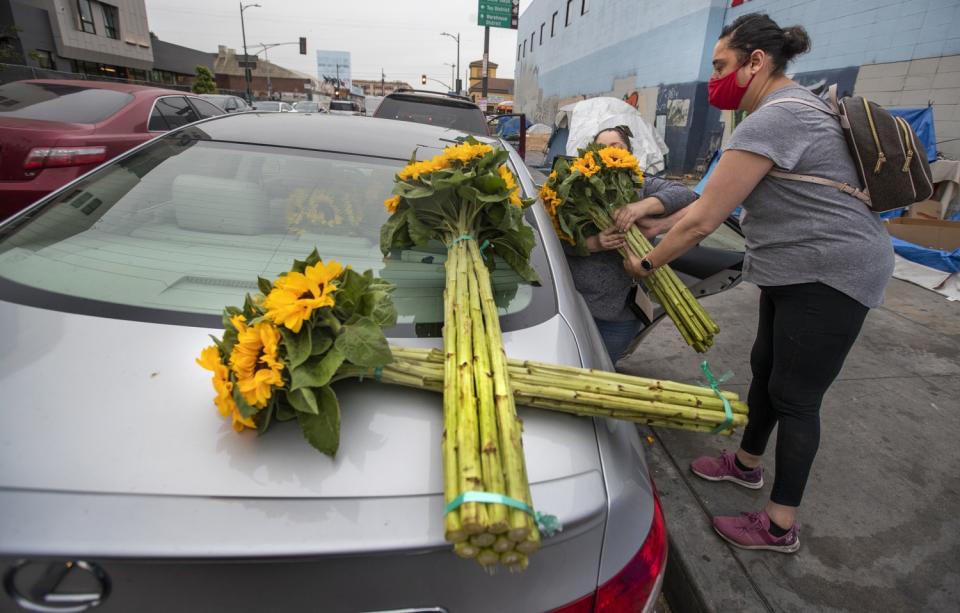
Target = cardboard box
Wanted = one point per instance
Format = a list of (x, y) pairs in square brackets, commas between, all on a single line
[(925, 209), (933, 233)]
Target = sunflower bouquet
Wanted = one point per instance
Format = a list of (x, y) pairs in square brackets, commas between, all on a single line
[(468, 199), (580, 196), (315, 209), (283, 348)]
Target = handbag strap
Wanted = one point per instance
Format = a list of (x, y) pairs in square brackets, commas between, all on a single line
[(846, 188)]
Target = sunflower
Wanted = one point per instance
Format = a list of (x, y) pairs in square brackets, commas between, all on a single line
[(586, 165), (507, 177), (295, 296), (211, 360), (391, 204), (465, 152), (616, 157), (255, 362), (550, 199), (415, 170)]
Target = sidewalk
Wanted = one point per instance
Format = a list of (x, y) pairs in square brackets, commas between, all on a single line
[(881, 514)]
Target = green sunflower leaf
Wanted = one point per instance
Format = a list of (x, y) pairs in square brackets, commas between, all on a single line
[(322, 430), (364, 344), (317, 371)]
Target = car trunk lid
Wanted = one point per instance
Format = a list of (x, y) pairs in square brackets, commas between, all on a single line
[(18, 136)]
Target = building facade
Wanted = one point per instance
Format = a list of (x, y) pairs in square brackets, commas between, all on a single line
[(268, 80), (498, 90), (656, 56), (373, 87), (83, 36)]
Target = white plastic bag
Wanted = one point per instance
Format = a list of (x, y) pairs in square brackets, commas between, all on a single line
[(588, 117)]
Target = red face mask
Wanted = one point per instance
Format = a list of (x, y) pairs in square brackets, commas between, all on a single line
[(725, 93)]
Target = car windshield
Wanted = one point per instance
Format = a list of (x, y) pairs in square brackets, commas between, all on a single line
[(442, 113), (59, 102), (266, 106), (183, 227), (307, 107)]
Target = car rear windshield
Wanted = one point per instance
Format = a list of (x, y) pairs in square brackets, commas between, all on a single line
[(342, 106), (59, 102), (447, 114), (182, 228)]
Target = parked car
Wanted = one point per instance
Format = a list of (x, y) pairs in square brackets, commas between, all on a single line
[(230, 104), (272, 106), (51, 132), (308, 106), (435, 109), (345, 107), (121, 475)]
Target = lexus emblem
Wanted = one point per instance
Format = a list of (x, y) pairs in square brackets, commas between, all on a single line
[(56, 587)]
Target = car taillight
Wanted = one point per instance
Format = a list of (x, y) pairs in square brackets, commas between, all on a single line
[(50, 157), (635, 587)]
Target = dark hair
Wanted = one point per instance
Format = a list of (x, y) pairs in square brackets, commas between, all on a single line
[(757, 31), (623, 131)]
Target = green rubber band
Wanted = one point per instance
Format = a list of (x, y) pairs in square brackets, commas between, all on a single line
[(547, 524), (715, 386), (484, 246), (378, 374)]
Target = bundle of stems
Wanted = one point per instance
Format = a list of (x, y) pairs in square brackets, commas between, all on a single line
[(695, 325), (587, 392), (580, 197), (466, 198)]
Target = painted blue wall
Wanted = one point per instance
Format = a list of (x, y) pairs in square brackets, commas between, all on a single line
[(856, 32)]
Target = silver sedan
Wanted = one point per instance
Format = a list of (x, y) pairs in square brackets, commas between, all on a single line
[(123, 488)]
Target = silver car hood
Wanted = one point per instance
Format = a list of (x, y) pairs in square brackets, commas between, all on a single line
[(106, 406)]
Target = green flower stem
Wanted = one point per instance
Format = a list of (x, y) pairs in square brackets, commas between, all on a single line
[(511, 443), (453, 529)]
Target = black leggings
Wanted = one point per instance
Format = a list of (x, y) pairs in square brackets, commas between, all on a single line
[(804, 336)]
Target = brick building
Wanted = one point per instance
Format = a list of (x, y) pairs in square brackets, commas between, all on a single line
[(373, 87), (268, 79)]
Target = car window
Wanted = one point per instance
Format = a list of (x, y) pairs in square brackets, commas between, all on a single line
[(341, 105), (448, 115), (184, 226), (286, 107), (205, 109), (59, 102), (266, 106), (172, 112)]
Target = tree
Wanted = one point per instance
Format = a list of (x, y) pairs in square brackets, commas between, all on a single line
[(204, 83)]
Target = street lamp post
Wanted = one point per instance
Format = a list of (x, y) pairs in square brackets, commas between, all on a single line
[(453, 79), (459, 86), (243, 30)]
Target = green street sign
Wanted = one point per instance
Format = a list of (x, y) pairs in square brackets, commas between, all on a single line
[(498, 13)]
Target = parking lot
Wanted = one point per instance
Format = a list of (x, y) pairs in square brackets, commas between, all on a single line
[(880, 515)]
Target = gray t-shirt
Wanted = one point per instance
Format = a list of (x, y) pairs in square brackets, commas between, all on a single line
[(801, 232)]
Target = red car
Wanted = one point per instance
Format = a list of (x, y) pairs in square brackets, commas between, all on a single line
[(51, 132)]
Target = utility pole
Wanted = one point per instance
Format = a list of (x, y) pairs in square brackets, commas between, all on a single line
[(459, 85), (383, 79), (243, 30), (486, 57)]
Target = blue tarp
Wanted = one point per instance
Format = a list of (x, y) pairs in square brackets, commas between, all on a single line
[(946, 261), (921, 120), (510, 127)]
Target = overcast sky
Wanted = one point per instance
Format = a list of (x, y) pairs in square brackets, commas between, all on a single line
[(400, 36)]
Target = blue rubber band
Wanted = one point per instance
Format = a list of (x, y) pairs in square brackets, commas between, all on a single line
[(715, 386), (486, 245), (546, 523), (462, 237)]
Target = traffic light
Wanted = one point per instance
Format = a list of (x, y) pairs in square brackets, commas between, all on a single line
[(423, 79), (303, 45)]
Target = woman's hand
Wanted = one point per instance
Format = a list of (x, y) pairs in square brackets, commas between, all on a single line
[(631, 264), (607, 240), (629, 214), (652, 227)]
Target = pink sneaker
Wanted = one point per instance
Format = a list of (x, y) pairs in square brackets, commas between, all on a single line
[(752, 531), (725, 469)]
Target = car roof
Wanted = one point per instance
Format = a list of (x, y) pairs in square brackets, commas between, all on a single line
[(432, 97), (128, 88), (341, 133)]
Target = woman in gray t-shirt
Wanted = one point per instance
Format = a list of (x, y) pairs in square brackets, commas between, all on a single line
[(821, 258)]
